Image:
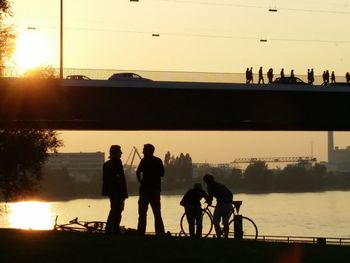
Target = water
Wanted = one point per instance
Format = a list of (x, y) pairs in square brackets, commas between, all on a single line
[(293, 214)]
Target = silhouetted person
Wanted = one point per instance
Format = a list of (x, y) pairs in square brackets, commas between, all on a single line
[(308, 76), (270, 75), (324, 78), (312, 76), (114, 186), (282, 73), (327, 77), (332, 77), (193, 210), (261, 76), (223, 209), (247, 76), (347, 77), (292, 76), (149, 173), (251, 75)]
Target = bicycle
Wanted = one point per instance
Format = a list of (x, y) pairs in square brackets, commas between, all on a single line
[(75, 225), (241, 227)]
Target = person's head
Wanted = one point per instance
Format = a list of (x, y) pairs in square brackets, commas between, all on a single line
[(115, 151), (197, 186), (208, 178), (148, 149)]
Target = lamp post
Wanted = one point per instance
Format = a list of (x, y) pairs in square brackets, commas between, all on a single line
[(61, 41)]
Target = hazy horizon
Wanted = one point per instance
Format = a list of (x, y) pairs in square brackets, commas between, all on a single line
[(207, 146)]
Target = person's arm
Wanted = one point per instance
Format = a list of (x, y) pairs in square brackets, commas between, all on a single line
[(161, 168), (123, 182), (184, 199), (209, 198), (139, 170)]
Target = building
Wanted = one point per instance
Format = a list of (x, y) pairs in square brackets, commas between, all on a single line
[(338, 159), (82, 166)]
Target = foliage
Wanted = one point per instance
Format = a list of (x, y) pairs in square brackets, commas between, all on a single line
[(22, 153), (7, 35), (5, 8), (41, 73), (258, 176), (177, 169)]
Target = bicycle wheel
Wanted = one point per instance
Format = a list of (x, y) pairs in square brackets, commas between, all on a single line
[(207, 225), (250, 230), (95, 226)]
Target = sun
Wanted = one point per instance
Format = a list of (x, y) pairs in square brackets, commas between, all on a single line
[(31, 51)]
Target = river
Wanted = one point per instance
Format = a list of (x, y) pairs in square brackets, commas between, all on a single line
[(324, 214)]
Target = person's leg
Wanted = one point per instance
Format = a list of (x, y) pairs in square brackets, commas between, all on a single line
[(110, 219), (191, 220), (217, 219), (118, 208), (226, 214), (199, 221), (158, 221), (143, 207)]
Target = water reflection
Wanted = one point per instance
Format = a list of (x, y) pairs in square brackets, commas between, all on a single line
[(30, 215)]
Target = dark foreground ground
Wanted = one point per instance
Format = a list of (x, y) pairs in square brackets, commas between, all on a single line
[(49, 246)]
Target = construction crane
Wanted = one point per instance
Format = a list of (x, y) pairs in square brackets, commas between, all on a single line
[(275, 159), (133, 153)]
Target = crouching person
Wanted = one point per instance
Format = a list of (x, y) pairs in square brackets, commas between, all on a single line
[(193, 210)]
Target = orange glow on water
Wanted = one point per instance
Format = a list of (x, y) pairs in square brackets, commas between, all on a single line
[(30, 215)]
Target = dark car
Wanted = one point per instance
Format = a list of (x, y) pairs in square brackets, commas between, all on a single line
[(127, 77), (289, 80), (80, 77)]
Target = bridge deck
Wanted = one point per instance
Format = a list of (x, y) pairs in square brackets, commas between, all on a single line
[(110, 105)]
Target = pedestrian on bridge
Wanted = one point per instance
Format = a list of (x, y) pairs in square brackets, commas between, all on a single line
[(261, 76)]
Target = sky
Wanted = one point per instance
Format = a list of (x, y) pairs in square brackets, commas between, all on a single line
[(195, 36)]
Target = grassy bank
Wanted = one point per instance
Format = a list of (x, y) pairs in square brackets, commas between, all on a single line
[(49, 246)]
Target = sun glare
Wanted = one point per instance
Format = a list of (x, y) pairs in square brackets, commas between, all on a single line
[(31, 51), (30, 215)]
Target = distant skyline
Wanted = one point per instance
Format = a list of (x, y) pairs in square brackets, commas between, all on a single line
[(210, 147)]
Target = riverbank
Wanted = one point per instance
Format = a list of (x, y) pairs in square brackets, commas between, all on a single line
[(50, 246)]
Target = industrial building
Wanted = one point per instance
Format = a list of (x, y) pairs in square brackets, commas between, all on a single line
[(82, 166), (338, 159)]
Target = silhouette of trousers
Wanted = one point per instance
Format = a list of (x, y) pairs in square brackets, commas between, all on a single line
[(152, 198), (115, 214), (194, 218)]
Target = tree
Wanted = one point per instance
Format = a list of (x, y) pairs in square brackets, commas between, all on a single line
[(41, 73), (258, 176), (23, 151), (7, 35)]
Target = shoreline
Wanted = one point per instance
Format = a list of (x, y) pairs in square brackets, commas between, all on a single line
[(166, 193)]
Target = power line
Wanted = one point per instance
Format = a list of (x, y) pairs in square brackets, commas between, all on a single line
[(159, 34), (257, 6)]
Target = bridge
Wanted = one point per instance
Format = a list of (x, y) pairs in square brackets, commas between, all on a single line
[(164, 105)]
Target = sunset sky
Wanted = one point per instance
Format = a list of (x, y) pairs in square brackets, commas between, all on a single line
[(195, 36)]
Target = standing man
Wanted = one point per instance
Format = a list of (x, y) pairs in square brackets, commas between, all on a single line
[(261, 76), (223, 209), (270, 75), (149, 173), (114, 186)]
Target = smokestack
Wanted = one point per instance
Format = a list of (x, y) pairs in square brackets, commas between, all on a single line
[(330, 147)]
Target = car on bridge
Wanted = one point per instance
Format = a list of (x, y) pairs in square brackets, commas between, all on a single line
[(289, 80), (80, 77), (127, 76)]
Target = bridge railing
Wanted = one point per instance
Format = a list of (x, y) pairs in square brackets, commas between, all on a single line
[(182, 76)]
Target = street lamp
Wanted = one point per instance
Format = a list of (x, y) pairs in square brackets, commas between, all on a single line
[(61, 41)]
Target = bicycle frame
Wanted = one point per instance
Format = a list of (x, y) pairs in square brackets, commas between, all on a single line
[(81, 226)]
